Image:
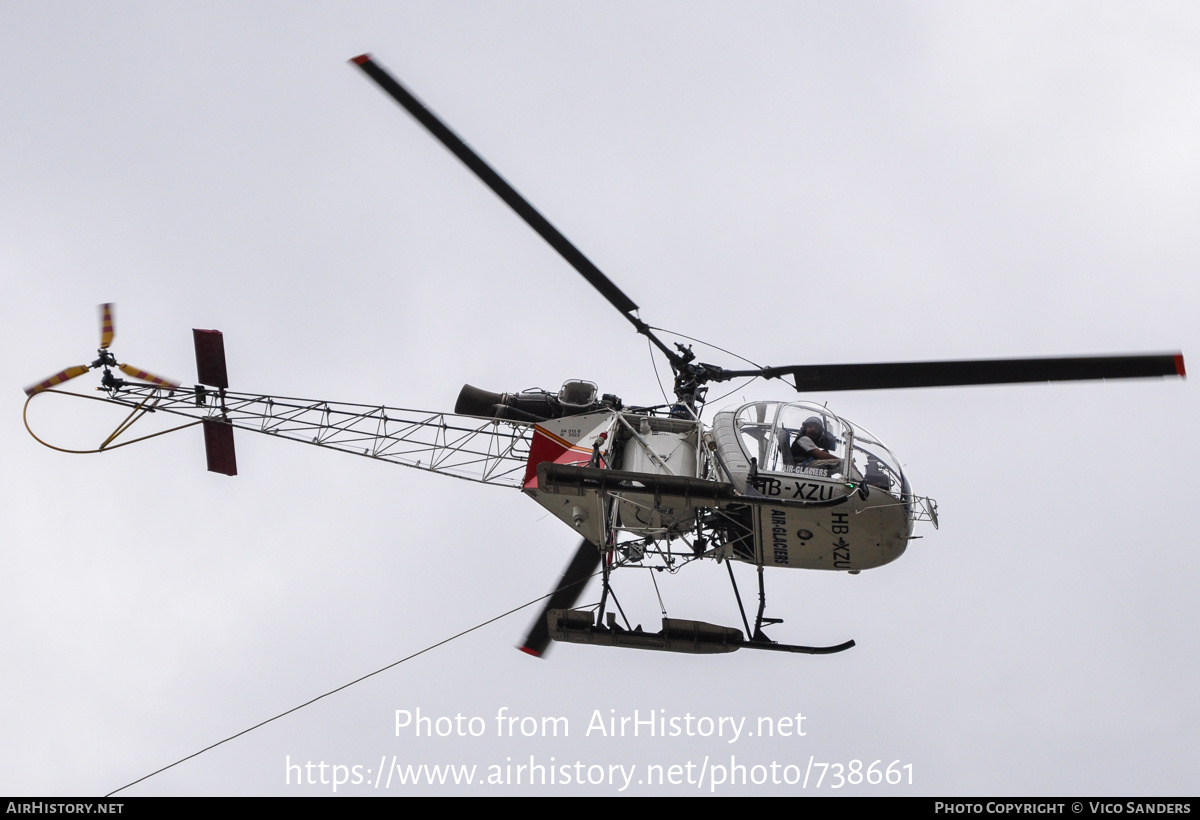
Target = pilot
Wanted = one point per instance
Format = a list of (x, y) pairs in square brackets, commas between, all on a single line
[(806, 447)]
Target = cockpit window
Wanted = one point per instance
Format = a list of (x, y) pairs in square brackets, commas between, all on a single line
[(805, 437), (755, 424)]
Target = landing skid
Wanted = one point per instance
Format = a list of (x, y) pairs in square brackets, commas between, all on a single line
[(805, 650), (677, 634), (759, 640)]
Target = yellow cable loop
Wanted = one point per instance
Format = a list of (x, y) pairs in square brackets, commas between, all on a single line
[(129, 420), (121, 428)]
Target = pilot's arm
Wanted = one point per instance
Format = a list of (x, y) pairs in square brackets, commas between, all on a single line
[(810, 449)]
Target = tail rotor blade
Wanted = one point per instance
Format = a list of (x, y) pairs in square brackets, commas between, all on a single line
[(57, 379), (582, 567), (130, 370), (108, 328)]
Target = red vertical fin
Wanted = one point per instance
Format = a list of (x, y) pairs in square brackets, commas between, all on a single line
[(218, 446), (210, 358), (210, 370)]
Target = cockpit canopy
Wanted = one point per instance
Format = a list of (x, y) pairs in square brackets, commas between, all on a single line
[(781, 438)]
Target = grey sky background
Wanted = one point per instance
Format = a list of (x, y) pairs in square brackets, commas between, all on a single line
[(798, 182)]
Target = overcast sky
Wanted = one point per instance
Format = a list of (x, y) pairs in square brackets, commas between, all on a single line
[(798, 182)]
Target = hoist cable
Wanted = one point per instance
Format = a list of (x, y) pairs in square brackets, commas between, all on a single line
[(333, 691)]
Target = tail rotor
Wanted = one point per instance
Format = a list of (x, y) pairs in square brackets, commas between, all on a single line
[(105, 360)]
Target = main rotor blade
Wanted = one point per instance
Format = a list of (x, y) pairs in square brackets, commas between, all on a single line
[(57, 379), (498, 185), (582, 567), (888, 375), (108, 326)]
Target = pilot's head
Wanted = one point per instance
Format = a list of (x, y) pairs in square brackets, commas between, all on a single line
[(815, 430)]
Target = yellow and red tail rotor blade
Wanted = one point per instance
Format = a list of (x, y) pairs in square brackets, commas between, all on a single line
[(130, 370), (108, 327), (57, 379)]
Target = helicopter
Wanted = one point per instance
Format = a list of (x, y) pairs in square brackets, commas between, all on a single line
[(781, 484)]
